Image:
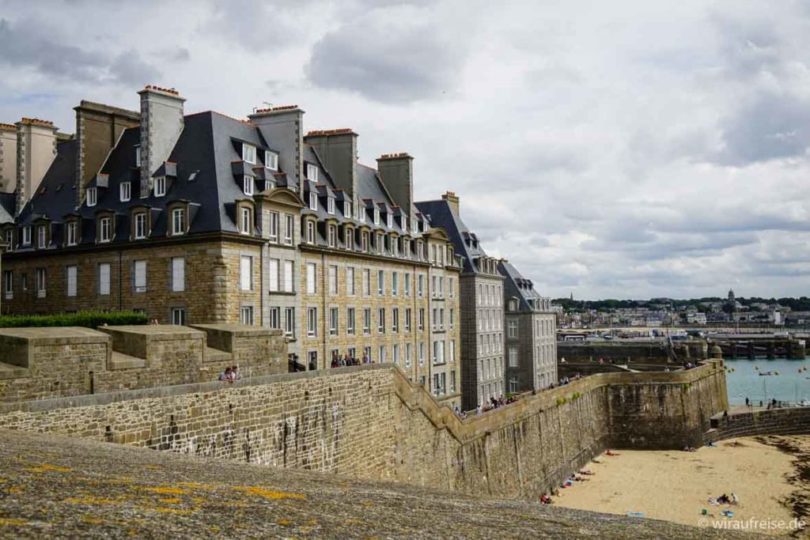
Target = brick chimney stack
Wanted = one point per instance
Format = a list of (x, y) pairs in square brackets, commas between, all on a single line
[(452, 200), (283, 128), (338, 150), (396, 173), (8, 157), (36, 149), (162, 123)]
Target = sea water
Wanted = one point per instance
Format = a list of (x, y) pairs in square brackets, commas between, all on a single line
[(789, 380)]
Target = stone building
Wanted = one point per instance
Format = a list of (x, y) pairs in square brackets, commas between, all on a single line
[(203, 218), (8, 158), (531, 344), (482, 315)]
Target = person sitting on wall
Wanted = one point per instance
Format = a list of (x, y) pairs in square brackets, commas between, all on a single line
[(235, 375), (545, 499), (225, 375)]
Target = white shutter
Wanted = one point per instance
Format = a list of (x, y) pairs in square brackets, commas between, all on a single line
[(104, 279), (140, 276), (71, 280), (273, 270), (288, 276), (245, 273), (310, 279), (178, 274)]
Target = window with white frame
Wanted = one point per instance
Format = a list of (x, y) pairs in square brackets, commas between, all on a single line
[(407, 284), (311, 285), (41, 282), (381, 320), (248, 153), (270, 160), (310, 232), (289, 229), (105, 229), (274, 317), (160, 186), (139, 276), (313, 200), (407, 319), (125, 191), (350, 288), (332, 235), (382, 353), (349, 238), (246, 273), (394, 283), (71, 279), (42, 236), (246, 315), (380, 282), (376, 216), (26, 235), (312, 322), (140, 225), (421, 354), (272, 225), (8, 284), (380, 243), (178, 221), (347, 209), (364, 241), (513, 357), (350, 321), (452, 352), (420, 285), (246, 222), (396, 353), (366, 282), (137, 155), (288, 276), (395, 320), (333, 321), (272, 270), (178, 316), (312, 172), (407, 355), (71, 233), (512, 329), (361, 214), (333, 280), (104, 279), (367, 321), (92, 196), (330, 205), (178, 274), (247, 185), (421, 321), (389, 221), (289, 321)]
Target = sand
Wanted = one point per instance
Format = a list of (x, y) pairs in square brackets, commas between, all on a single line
[(675, 485)]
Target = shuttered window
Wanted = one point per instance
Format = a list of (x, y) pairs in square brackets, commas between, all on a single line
[(72, 277), (104, 279), (273, 271), (288, 276), (178, 274), (246, 276), (140, 276)]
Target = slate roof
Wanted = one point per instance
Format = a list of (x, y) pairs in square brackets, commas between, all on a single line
[(515, 285), (465, 242), (7, 204)]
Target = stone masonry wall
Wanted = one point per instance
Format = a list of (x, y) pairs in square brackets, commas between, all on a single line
[(790, 421)]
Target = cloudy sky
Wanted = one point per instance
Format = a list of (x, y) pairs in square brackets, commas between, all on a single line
[(622, 149)]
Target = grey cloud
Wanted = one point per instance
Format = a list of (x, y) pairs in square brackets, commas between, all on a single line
[(129, 68)]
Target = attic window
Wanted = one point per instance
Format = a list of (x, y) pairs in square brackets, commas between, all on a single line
[(312, 172), (92, 196), (376, 216), (330, 205), (247, 185), (271, 160), (390, 220), (313, 200), (347, 209), (125, 190), (160, 186), (248, 153), (404, 224)]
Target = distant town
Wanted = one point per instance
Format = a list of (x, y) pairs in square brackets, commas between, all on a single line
[(658, 312)]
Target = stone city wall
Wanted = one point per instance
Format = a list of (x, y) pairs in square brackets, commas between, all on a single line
[(371, 422), (788, 421)]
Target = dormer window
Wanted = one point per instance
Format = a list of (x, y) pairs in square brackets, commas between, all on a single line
[(330, 205), (269, 184), (312, 172), (92, 196), (405, 223), (247, 185), (160, 186), (138, 155), (313, 200), (270, 160), (376, 216), (140, 226), (125, 191), (380, 243), (395, 247), (248, 153), (310, 232), (42, 237), (332, 236), (364, 241), (105, 229), (361, 214), (179, 221), (349, 238), (390, 220), (26, 236), (245, 221)]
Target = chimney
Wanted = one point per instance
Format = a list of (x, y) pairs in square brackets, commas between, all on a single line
[(338, 150), (396, 173), (8, 158), (36, 149), (452, 200), (161, 125), (283, 129), (98, 128)]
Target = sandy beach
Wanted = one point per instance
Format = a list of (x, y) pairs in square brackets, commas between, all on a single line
[(676, 485)]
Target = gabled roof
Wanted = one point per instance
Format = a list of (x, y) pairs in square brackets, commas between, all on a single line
[(440, 214), (7, 203)]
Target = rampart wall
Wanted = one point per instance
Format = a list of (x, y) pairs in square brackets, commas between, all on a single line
[(787, 421)]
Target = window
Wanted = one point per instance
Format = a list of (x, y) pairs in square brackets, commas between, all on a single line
[(420, 285), (380, 282), (137, 155), (513, 357), (407, 319), (178, 274), (41, 282), (330, 205), (288, 276), (395, 319), (312, 322), (139, 276), (246, 315), (452, 352), (407, 355), (289, 228), (332, 236), (272, 270), (452, 317), (382, 353), (366, 282), (247, 185), (347, 209), (26, 236), (270, 160), (8, 284), (311, 288), (246, 221), (376, 216), (104, 279), (350, 281), (312, 172), (452, 382), (92, 196), (125, 191), (396, 353), (274, 315), (289, 322), (272, 225), (367, 321), (313, 200), (333, 277), (512, 329), (380, 243), (395, 283), (421, 325), (438, 352), (313, 359), (381, 320), (407, 285), (390, 220), (179, 316), (71, 275), (9, 236), (364, 241), (310, 232), (105, 229), (350, 321), (248, 153), (42, 237), (160, 186), (140, 226), (178, 221), (246, 273), (70, 233), (333, 321), (349, 238)]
